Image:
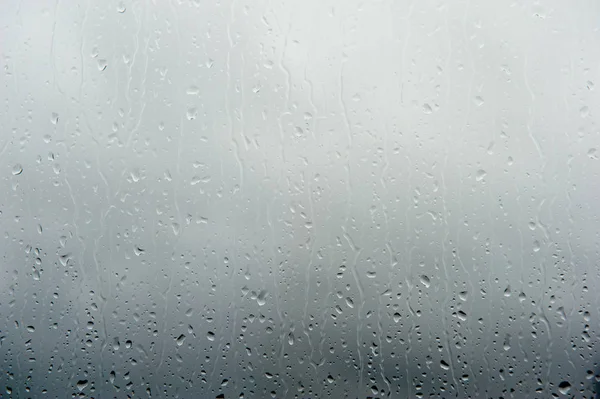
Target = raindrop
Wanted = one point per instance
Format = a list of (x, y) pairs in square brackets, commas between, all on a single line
[(480, 175), (102, 64), (191, 113), (427, 109), (261, 299), (425, 281), (210, 336), (584, 112), (81, 384), (17, 169), (192, 90), (444, 365), (121, 8), (180, 340), (564, 387), (349, 302)]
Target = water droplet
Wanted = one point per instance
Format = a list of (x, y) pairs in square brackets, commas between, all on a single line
[(564, 387), (349, 302), (479, 101), (81, 384), (536, 246), (590, 85), (584, 112), (135, 175), (180, 340), (192, 90), (17, 169), (291, 338), (592, 153), (507, 291), (396, 317), (54, 118), (191, 113), (330, 379), (427, 109), (261, 299), (102, 64), (444, 365), (121, 8), (463, 295), (480, 175), (506, 345), (210, 336), (425, 281)]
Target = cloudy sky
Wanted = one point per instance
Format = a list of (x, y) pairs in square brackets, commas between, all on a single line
[(299, 199)]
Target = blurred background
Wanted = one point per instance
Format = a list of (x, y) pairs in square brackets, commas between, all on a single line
[(299, 199)]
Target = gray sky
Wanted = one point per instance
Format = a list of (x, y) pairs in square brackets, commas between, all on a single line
[(308, 199)]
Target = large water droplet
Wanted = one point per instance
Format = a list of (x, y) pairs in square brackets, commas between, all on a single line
[(564, 387)]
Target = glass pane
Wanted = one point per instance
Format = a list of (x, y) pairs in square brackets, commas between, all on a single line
[(299, 199)]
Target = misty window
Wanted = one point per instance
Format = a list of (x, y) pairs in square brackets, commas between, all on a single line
[(299, 199)]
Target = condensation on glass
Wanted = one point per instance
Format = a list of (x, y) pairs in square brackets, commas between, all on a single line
[(299, 199)]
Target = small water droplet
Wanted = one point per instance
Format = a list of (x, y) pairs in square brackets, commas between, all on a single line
[(102, 64), (536, 246), (590, 85), (54, 118), (81, 384), (121, 8), (592, 153), (584, 112), (444, 365), (17, 169), (191, 113), (506, 345), (210, 336), (349, 302), (480, 175), (261, 298), (479, 101), (427, 109), (135, 175), (180, 340), (564, 387), (425, 281), (192, 90), (396, 317)]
